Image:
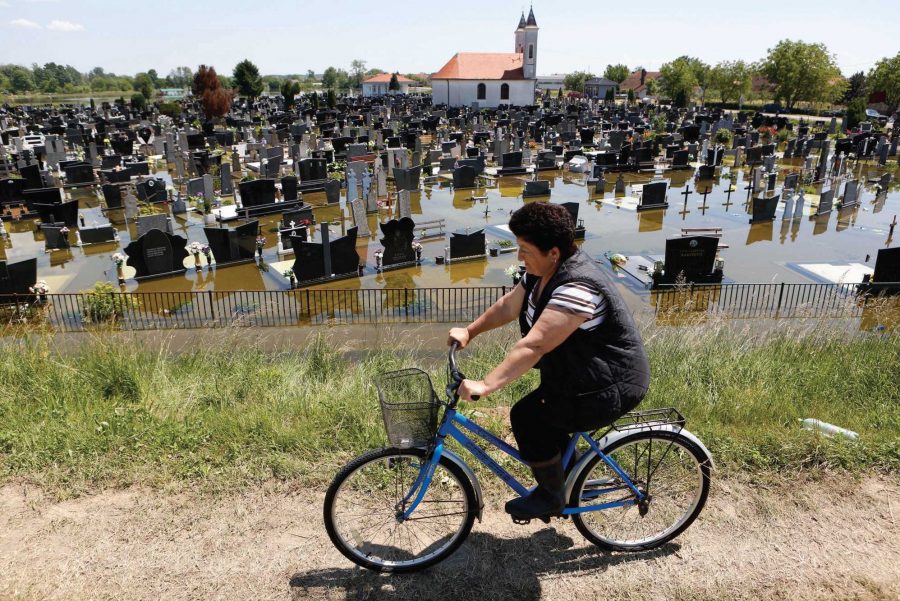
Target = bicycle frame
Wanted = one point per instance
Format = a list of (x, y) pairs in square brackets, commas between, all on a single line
[(453, 424)]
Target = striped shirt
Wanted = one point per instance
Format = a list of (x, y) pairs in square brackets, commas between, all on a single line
[(577, 298)]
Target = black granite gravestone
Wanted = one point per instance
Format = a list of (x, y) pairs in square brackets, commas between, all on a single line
[(32, 176), (257, 192), (97, 235), (407, 179), (45, 196), (693, 258), (233, 245), (112, 194), (157, 253), (54, 237), (152, 190), (764, 208), (465, 245), (573, 207), (887, 266), (653, 196), (318, 261), (80, 173), (332, 191), (16, 278), (397, 242), (463, 177), (826, 202), (11, 191), (289, 188), (538, 187), (64, 212)]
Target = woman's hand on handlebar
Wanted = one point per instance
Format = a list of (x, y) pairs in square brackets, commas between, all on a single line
[(460, 335), (472, 390)]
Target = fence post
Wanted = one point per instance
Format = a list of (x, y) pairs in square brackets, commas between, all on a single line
[(212, 308), (780, 296), (406, 302)]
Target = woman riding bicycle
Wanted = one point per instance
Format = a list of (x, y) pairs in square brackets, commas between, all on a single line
[(578, 332)]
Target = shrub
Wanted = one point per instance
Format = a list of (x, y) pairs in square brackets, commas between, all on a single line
[(103, 303), (724, 137), (170, 109)]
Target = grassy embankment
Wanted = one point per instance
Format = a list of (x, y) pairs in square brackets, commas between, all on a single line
[(107, 416)]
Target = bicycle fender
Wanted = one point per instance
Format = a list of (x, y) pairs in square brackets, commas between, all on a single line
[(616, 435), (450, 455)]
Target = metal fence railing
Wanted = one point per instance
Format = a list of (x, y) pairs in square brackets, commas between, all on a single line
[(778, 300), (78, 312)]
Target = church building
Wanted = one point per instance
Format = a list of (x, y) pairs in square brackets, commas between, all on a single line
[(491, 78)]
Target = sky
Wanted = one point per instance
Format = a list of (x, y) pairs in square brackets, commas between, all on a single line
[(282, 37)]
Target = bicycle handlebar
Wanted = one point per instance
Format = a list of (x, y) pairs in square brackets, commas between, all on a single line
[(456, 375)]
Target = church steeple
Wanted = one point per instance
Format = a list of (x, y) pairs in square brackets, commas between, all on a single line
[(521, 22), (531, 20)]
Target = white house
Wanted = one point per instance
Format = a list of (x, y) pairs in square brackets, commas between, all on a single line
[(491, 78), (378, 85)]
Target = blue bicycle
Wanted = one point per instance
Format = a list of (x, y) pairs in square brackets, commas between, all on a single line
[(404, 508)]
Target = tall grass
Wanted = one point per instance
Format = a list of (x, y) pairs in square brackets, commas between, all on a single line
[(113, 414)]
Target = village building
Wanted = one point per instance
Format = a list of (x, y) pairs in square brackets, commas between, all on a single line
[(597, 87), (490, 79), (637, 82), (379, 85)]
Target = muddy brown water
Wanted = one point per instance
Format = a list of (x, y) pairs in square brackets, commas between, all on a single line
[(761, 252)]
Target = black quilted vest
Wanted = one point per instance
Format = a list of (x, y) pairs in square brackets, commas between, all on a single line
[(609, 361)]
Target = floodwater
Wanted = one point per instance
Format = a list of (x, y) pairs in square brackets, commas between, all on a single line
[(764, 252)]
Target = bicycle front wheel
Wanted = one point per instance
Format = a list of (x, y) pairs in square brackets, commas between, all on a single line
[(365, 502), (669, 468)]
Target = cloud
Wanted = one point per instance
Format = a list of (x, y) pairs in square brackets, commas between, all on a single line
[(4, 4), (24, 24), (64, 26)]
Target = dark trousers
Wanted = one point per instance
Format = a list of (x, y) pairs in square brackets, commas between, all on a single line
[(543, 426)]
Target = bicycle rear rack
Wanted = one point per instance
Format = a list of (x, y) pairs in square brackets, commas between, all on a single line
[(641, 420)]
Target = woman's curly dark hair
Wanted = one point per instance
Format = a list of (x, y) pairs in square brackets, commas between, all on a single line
[(545, 225)]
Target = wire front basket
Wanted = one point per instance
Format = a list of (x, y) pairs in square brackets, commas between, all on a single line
[(409, 406)]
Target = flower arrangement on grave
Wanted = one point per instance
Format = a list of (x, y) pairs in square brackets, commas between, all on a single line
[(63, 231), (41, 289), (515, 273), (505, 243), (766, 133), (289, 274), (119, 260), (260, 243), (417, 247), (195, 248), (206, 253), (378, 256)]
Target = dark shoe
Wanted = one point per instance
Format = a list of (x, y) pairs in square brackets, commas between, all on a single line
[(547, 499)]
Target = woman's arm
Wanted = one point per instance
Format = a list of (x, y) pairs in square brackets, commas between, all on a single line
[(551, 329), (502, 312)]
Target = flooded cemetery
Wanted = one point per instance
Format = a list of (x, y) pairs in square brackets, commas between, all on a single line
[(399, 194)]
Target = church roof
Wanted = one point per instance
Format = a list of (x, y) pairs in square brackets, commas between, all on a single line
[(482, 65), (521, 22), (531, 20)]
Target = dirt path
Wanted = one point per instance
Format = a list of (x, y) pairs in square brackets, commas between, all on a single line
[(832, 539)]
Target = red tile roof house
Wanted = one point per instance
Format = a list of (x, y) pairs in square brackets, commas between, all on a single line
[(378, 85), (491, 78), (637, 81)]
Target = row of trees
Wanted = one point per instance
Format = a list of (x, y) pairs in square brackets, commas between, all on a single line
[(796, 71)]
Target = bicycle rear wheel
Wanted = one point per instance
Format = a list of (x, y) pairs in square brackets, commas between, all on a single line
[(365, 500), (670, 468)]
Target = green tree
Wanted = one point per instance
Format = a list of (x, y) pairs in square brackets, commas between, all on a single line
[(314, 100), (610, 95), (394, 84), (680, 77), (329, 78), (574, 82), (856, 111), (138, 101), (358, 72), (617, 73), (331, 99), (20, 79), (732, 79), (289, 89), (247, 80), (180, 77), (856, 87), (143, 83), (310, 75), (885, 77), (154, 77), (802, 72)]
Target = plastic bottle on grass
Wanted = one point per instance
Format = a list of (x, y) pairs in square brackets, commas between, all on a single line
[(827, 429)]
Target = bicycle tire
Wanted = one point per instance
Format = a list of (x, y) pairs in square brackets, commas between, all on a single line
[(357, 553), (686, 449)]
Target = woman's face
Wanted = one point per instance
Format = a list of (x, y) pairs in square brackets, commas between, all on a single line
[(537, 262)]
